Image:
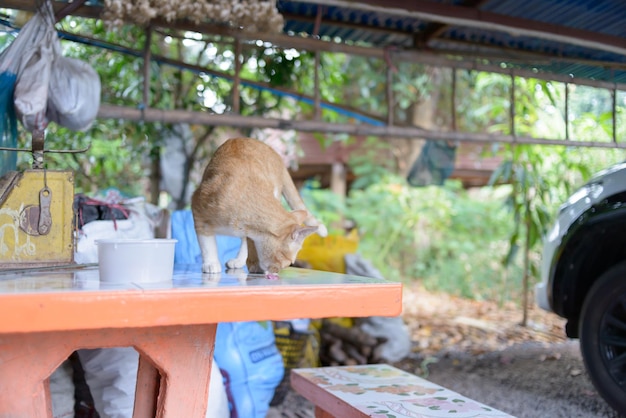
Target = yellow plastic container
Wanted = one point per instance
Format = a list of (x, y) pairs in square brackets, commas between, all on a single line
[(327, 253)]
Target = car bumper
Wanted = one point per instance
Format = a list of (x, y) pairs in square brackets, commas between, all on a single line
[(550, 246), (541, 297)]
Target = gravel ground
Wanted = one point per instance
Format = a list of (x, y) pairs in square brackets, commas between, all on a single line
[(528, 380)]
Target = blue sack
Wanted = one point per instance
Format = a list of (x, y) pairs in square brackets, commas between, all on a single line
[(245, 352), (187, 250), (251, 364)]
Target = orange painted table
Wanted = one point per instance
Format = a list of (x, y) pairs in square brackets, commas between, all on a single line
[(45, 315)]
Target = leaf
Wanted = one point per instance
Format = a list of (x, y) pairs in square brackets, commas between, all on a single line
[(501, 173)]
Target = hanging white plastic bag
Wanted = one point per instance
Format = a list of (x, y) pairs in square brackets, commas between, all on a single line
[(74, 93), (31, 87), (54, 88), (10, 60)]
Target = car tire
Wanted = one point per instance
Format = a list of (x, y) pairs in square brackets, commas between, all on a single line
[(603, 336)]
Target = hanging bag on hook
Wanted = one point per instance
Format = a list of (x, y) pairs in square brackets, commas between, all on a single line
[(31, 88), (74, 93), (54, 88)]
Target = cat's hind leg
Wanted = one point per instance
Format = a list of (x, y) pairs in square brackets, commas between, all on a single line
[(210, 258), (239, 261)]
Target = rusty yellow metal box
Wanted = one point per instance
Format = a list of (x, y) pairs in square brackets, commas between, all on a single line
[(36, 214)]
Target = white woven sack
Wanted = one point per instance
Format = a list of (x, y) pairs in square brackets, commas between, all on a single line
[(74, 93)]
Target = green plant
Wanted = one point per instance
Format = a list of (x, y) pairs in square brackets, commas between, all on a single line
[(448, 238), (529, 203)]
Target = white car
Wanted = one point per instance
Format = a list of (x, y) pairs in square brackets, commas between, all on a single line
[(583, 278)]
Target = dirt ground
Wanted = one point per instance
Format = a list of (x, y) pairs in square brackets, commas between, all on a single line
[(480, 350)]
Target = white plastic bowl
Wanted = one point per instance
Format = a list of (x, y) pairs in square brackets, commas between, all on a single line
[(136, 260)]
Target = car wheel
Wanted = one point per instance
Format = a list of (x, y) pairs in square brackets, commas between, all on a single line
[(603, 336)]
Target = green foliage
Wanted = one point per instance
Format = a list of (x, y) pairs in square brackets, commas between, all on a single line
[(108, 154), (134, 147), (278, 68), (328, 206), (390, 227), (412, 84), (447, 237), (529, 200), (466, 257), (480, 243), (368, 166)]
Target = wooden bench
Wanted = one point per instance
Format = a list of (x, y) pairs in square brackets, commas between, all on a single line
[(381, 391)]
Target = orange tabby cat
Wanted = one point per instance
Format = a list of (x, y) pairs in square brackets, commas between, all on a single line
[(240, 195)]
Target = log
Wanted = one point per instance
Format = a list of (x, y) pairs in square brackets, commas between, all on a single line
[(353, 335), (336, 353), (354, 353)]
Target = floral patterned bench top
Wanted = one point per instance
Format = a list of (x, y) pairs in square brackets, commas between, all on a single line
[(383, 391)]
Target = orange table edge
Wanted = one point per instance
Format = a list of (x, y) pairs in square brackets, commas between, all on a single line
[(145, 308)]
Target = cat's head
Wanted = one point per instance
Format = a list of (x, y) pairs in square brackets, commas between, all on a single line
[(281, 251)]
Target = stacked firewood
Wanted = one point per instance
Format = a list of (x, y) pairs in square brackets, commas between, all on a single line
[(348, 346)]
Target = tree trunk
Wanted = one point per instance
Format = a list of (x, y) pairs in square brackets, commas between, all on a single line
[(526, 264), (155, 175)]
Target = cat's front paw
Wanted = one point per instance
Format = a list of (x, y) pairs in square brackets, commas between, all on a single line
[(254, 267), (211, 268), (235, 264)]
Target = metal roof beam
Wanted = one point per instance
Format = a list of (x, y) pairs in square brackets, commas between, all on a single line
[(436, 29), (441, 61), (108, 111)]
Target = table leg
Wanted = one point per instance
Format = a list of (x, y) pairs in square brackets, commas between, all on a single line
[(147, 390), (183, 390), (25, 366), (181, 355)]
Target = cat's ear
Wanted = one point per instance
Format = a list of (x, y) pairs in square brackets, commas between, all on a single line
[(301, 232), (299, 215)]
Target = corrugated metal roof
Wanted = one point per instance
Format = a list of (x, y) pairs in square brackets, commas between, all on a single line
[(584, 39), (403, 25)]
